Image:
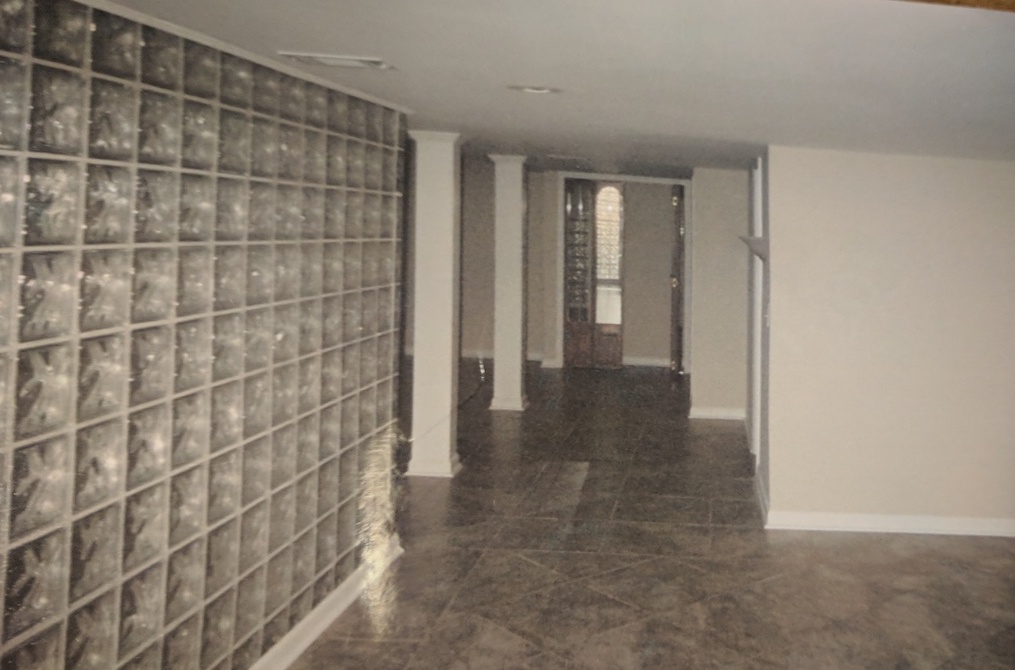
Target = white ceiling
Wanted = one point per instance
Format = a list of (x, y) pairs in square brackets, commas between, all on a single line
[(650, 86)]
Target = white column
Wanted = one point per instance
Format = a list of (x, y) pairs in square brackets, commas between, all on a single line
[(509, 284), (437, 237)]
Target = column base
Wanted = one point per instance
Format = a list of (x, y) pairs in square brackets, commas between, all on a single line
[(509, 404), (430, 469)]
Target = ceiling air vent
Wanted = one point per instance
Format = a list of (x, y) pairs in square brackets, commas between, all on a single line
[(332, 60)]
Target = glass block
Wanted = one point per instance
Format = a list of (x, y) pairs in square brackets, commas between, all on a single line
[(39, 485), (354, 216), (311, 270), (197, 208), (355, 164), (334, 214), (61, 32), (315, 166), (12, 103), (290, 213), (368, 362), (317, 106), (8, 308), (287, 332), (217, 632), (186, 504), (154, 284), (350, 421), (183, 645), (200, 135), (52, 207), (331, 375), (37, 575), (148, 659), (234, 142), (385, 310), (349, 367), (145, 525), (151, 365), (196, 281), (370, 264), (253, 536), (256, 469), (265, 148), (231, 209), (185, 580), (227, 346), (303, 560), (116, 45), (337, 160), (307, 440), (389, 217), (158, 196), (332, 315), (357, 123), (14, 25), (10, 180), (306, 501), (368, 318), (43, 389), (290, 152), (287, 272), (309, 384), (331, 431), (352, 265), (372, 214), (141, 609), (191, 416), (226, 415), (310, 326), (375, 122), (327, 538), (95, 556), (389, 180), (346, 526), (224, 486), (113, 124), (105, 289), (338, 111), (149, 435), (250, 601), (102, 379), (160, 129), (276, 628), (200, 70), (367, 411), (292, 98), (237, 81), (259, 338), (260, 274), (161, 58), (313, 213), (230, 277), (327, 495), (108, 213), (220, 565), (267, 89), (193, 354), (283, 519), (390, 136), (47, 295), (263, 211), (324, 585), (374, 168), (285, 395)]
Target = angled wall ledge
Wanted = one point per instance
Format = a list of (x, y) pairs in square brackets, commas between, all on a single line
[(757, 245)]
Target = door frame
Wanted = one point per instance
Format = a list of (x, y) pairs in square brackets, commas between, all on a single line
[(557, 361)]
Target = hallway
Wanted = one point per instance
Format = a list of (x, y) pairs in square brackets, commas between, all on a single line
[(601, 530)]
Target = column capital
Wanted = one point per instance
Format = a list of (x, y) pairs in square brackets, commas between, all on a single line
[(434, 136)]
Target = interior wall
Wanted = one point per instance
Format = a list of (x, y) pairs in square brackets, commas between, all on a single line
[(719, 280), (477, 256), (649, 233), (892, 375), (197, 332)]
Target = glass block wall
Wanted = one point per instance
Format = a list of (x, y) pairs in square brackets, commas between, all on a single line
[(198, 317)]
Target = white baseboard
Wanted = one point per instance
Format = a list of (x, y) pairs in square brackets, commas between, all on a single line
[(647, 361), (721, 413), (889, 523), (441, 471), (761, 494), (299, 639)]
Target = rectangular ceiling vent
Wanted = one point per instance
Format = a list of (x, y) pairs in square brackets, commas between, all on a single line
[(332, 60)]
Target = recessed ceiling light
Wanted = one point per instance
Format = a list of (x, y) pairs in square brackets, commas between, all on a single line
[(534, 89), (332, 60)]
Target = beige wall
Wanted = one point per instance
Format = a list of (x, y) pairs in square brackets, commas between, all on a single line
[(477, 256), (718, 319), (649, 225), (893, 323)]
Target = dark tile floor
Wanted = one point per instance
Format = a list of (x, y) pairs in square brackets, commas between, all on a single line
[(602, 531)]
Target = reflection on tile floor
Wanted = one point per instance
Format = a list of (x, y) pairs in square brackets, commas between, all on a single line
[(603, 531)]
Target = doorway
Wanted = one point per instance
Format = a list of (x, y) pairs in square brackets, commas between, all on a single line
[(593, 265)]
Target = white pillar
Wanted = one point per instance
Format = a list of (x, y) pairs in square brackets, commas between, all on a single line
[(437, 236), (509, 284)]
